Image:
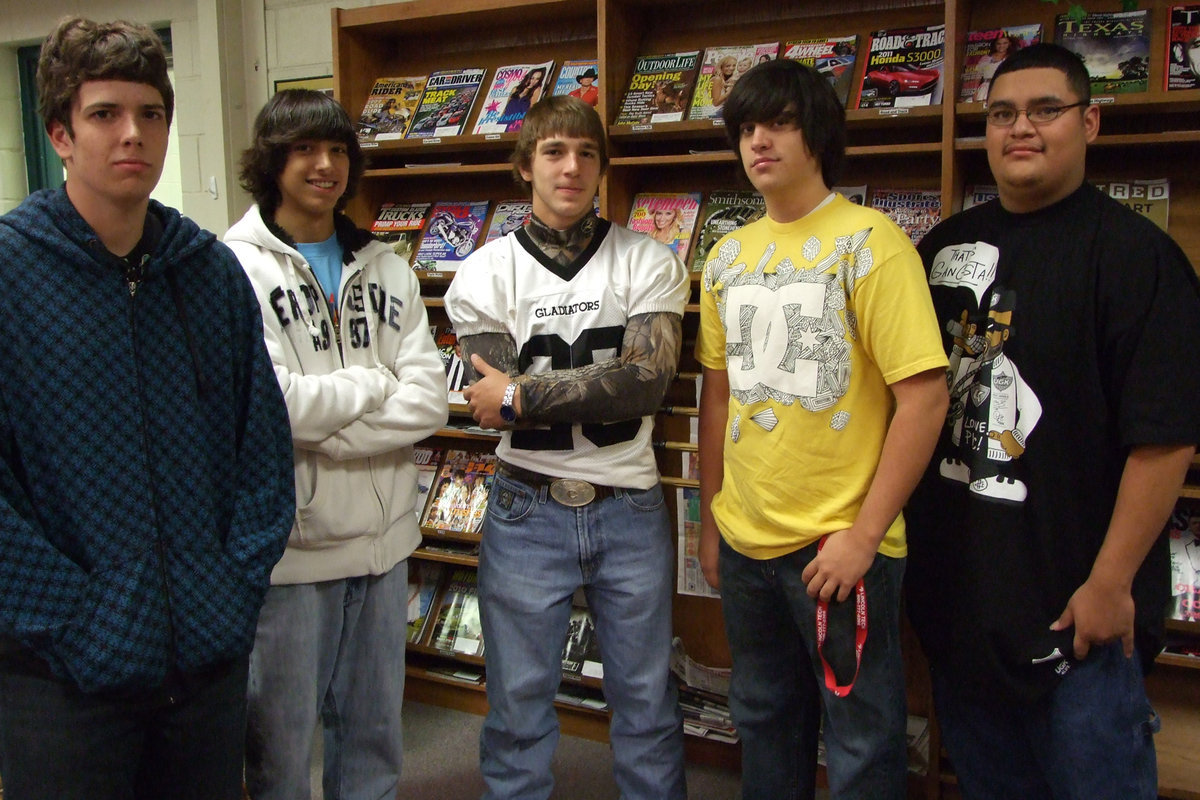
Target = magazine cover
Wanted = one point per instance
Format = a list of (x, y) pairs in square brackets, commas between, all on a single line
[(389, 108), (424, 579), (832, 57), (509, 215), (459, 498), (514, 89), (448, 98), (580, 79), (855, 194), (400, 224), (451, 235), (724, 211), (450, 605), (721, 68), (985, 51), (428, 461), (667, 217), (1183, 537), (468, 633), (1150, 197), (659, 89), (689, 577), (914, 210), (581, 651), (979, 194), (1183, 48), (904, 68), (456, 374), (1114, 46)]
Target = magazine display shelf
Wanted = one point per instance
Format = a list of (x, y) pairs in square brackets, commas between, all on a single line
[(1152, 134)]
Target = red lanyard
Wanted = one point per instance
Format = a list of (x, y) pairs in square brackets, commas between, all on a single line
[(860, 635)]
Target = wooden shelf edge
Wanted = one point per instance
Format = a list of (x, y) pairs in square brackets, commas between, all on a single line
[(459, 433), (967, 143), (426, 170), (1184, 626), (682, 483), (421, 554), (452, 657), (1177, 660), (439, 535)]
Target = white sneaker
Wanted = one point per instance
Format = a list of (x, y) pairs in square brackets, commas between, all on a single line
[(1001, 488)]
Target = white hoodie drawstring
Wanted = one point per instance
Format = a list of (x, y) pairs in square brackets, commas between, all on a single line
[(293, 285)]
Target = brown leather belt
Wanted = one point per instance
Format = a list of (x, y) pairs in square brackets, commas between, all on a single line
[(569, 492)]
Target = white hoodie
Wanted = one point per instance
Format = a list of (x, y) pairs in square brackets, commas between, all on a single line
[(357, 407)]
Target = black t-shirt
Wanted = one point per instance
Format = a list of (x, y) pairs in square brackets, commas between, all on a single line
[(1070, 332)]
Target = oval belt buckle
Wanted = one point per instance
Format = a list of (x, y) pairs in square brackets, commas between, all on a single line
[(572, 493)]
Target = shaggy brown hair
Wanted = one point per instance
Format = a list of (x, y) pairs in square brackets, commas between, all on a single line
[(560, 115), (80, 50)]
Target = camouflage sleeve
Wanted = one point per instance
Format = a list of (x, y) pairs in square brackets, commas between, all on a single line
[(629, 386), (497, 349)]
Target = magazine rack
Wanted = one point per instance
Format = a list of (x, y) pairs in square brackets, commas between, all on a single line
[(1151, 134)]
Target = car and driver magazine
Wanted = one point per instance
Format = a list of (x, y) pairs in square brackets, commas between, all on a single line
[(833, 57), (449, 96), (904, 68), (450, 234)]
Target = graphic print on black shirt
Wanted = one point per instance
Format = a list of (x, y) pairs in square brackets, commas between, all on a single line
[(992, 410)]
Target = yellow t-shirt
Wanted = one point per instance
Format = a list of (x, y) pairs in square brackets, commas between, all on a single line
[(812, 319)]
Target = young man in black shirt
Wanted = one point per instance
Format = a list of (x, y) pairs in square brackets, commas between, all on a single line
[(1036, 566)]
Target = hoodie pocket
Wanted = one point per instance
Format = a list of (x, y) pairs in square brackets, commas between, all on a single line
[(335, 501)]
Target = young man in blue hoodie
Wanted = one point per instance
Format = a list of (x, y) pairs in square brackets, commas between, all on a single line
[(145, 458)]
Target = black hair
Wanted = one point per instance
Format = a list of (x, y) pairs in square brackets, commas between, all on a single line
[(1052, 56), (783, 88), (288, 117)]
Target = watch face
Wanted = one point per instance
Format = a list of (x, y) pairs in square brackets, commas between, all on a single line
[(507, 412)]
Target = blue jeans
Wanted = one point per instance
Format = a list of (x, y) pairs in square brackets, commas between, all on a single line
[(180, 742), (535, 553), (333, 649), (1092, 738), (777, 689)]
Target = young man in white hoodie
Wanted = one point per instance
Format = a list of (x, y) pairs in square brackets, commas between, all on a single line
[(348, 335)]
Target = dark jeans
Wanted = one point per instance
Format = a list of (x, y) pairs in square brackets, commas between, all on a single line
[(1092, 738), (179, 742), (778, 694)]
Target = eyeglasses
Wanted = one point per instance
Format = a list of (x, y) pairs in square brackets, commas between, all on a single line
[(1006, 116)]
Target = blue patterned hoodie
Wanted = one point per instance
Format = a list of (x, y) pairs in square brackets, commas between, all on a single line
[(145, 455)]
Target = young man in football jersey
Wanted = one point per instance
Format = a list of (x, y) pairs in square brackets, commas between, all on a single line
[(824, 385), (573, 326), (1037, 570)]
